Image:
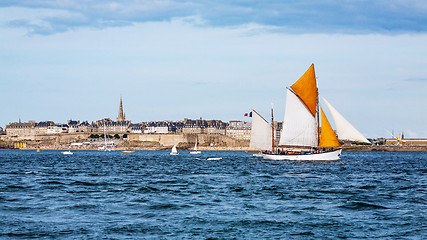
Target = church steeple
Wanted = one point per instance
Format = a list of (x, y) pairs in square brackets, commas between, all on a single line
[(121, 116)]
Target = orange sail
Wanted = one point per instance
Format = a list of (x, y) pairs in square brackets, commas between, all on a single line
[(306, 89), (327, 135)]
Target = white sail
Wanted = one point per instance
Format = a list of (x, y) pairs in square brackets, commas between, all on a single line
[(174, 151), (195, 151), (345, 130), (260, 133), (299, 125)]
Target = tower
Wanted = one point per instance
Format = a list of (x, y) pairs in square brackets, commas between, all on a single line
[(121, 116)]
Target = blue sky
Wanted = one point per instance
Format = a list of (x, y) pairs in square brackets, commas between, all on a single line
[(169, 60)]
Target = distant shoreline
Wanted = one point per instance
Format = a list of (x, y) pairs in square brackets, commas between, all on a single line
[(350, 149), (388, 148)]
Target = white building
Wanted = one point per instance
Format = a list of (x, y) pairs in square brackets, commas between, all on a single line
[(57, 129), (240, 130), (156, 129)]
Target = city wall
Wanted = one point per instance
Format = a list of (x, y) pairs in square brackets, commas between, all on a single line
[(166, 141), (135, 141), (58, 138), (188, 140)]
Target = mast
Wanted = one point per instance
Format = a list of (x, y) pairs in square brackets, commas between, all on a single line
[(318, 122), (105, 138), (272, 129)]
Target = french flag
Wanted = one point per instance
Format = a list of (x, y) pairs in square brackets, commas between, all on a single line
[(248, 114)]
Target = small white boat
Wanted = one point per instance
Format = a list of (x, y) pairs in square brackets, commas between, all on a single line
[(104, 149), (213, 158), (67, 152), (195, 151), (174, 151), (258, 154)]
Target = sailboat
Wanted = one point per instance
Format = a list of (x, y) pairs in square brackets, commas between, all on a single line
[(195, 151), (126, 150), (104, 148), (261, 134), (302, 138), (174, 151)]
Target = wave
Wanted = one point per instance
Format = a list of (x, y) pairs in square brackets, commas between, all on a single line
[(168, 206), (53, 183), (82, 183), (146, 189), (16, 187), (354, 205)]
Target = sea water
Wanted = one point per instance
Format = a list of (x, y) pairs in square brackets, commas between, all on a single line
[(152, 195)]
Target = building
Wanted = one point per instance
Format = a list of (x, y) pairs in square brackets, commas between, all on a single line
[(111, 127), (406, 141), (277, 129), (156, 129), (57, 129), (194, 126), (136, 128), (201, 126), (176, 127), (121, 117), (73, 126), (161, 127), (85, 127), (21, 129), (239, 130), (216, 127), (41, 127)]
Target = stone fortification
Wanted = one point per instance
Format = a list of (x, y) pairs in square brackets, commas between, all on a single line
[(188, 140), (137, 141)]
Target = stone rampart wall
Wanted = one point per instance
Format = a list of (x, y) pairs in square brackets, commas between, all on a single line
[(189, 139)]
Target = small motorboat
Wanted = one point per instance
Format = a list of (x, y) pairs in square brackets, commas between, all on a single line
[(214, 158), (67, 152)]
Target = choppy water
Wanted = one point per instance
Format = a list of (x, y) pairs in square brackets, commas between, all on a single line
[(152, 195)]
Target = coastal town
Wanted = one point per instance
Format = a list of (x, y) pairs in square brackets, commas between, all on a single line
[(120, 132), (155, 135)]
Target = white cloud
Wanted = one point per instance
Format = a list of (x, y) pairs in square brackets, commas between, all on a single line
[(308, 16), (172, 69)]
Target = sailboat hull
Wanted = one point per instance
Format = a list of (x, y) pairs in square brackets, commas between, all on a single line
[(324, 156)]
